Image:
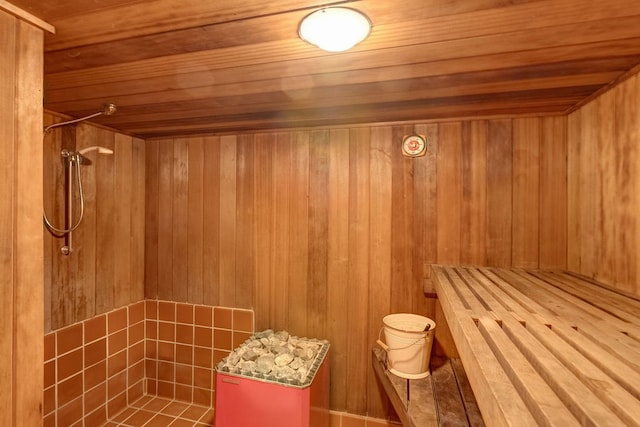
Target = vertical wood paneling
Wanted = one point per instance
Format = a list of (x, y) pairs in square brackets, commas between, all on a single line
[(589, 178), (449, 177), (265, 214), (107, 266), (425, 208), (298, 237), (605, 267), (338, 263), (7, 173), (627, 176), (180, 219), (402, 248), (227, 229), (474, 193), (63, 293), (21, 234), (426, 211), (245, 224), (318, 233), (499, 193), (603, 188), (28, 238), (211, 217), (137, 239), (553, 193), (526, 193), (574, 138), (123, 159), (380, 254), (152, 218), (282, 220), (324, 232), (105, 226), (48, 171), (165, 221), (195, 242), (358, 318)]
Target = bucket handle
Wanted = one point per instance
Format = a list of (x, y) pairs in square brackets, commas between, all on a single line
[(388, 349)]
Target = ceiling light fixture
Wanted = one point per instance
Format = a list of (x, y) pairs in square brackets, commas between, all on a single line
[(335, 29)]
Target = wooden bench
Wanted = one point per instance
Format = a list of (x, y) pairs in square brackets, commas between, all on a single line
[(443, 399), (544, 348)]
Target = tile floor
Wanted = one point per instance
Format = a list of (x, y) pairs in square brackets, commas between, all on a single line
[(152, 411)]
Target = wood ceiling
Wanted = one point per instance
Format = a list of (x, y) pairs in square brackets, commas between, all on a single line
[(178, 67)]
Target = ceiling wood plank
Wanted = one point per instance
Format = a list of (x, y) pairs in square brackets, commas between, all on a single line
[(158, 16), (190, 66), (595, 31)]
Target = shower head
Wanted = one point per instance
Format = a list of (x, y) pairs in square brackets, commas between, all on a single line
[(98, 148)]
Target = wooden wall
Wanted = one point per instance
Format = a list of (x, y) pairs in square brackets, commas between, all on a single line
[(21, 343), (604, 188), (106, 267), (323, 232)]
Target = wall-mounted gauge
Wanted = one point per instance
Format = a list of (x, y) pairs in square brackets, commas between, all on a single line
[(414, 145)]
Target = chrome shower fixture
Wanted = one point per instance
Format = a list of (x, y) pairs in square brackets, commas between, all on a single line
[(100, 149), (107, 110), (73, 161)]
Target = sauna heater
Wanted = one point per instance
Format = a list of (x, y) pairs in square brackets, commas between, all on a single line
[(274, 379)]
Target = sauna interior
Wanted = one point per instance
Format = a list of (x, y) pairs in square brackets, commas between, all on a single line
[(249, 180)]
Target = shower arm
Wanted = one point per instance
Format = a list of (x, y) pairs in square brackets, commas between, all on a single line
[(107, 110)]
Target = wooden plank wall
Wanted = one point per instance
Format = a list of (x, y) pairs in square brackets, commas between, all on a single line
[(21, 296), (604, 188), (323, 232), (106, 268)]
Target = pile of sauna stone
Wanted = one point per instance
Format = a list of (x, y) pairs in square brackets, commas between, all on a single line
[(276, 356)]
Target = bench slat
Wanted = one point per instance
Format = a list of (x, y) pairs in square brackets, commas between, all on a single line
[(539, 397), (583, 403), (497, 398), (608, 342), (578, 311), (616, 396), (562, 353), (616, 304)]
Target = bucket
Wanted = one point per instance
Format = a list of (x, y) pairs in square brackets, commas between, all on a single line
[(407, 344)]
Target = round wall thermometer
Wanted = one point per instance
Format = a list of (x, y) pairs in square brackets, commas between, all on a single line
[(414, 145)]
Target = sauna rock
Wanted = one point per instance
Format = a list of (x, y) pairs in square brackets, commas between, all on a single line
[(276, 356)]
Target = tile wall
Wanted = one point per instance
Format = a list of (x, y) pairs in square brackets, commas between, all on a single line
[(95, 368), (184, 343)]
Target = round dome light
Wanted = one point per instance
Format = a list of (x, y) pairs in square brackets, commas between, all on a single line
[(335, 29)]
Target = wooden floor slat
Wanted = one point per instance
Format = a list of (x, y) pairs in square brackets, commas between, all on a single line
[(468, 399), (449, 406), (442, 399)]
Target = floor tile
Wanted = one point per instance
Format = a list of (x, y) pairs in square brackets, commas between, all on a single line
[(153, 411)]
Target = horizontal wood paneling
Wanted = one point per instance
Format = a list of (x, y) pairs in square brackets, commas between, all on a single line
[(187, 67), (106, 267), (323, 232), (604, 188)]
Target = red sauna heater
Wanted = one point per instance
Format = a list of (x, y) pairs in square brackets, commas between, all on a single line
[(251, 395)]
